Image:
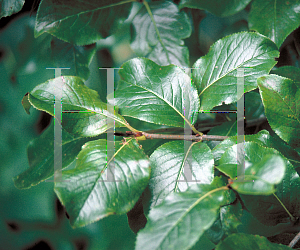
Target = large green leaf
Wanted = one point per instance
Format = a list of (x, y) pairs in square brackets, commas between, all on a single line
[(86, 193), (248, 242), (264, 168), (274, 19), (216, 7), (168, 164), (9, 7), (156, 94), (216, 73), (41, 157), (281, 98), (180, 220), (165, 47), (87, 115), (78, 22)]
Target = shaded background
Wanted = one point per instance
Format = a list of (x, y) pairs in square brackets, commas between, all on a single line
[(34, 218)]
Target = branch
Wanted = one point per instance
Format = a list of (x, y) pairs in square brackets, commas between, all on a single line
[(295, 240), (173, 137)]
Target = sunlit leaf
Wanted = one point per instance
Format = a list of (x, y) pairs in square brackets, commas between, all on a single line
[(85, 190), (281, 98), (170, 164), (157, 94), (216, 73), (172, 26), (180, 220)]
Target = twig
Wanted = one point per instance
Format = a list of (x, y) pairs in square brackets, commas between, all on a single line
[(295, 240), (186, 137)]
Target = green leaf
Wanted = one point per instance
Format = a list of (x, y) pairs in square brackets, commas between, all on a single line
[(263, 165), (264, 139), (169, 163), (40, 153), (86, 193), (163, 45), (180, 220), (281, 98), (274, 19), (230, 217), (9, 7), (77, 58), (81, 23), (26, 104), (156, 94), (288, 72), (254, 109), (216, 78), (216, 7), (83, 112), (268, 210), (248, 242), (266, 173)]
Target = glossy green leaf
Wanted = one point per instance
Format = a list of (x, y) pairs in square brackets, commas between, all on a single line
[(167, 46), (264, 139), (83, 112), (274, 19), (9, 7), (268, 210), (180, 220), (81, 23), (40, 153), (216, 7), (264, 168), (281, 98), (76, 58), (248, 242), (170, 166), (88, 195), (216, 78), (156, 94)]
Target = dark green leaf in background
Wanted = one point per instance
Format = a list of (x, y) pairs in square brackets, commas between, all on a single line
[(155, 94), (89, 196), (172, 25), (248, 242), (216, 78), (216, 7), (78, 22), (281, 98), (41, 157), (274, 19), (9, 7), (77, 58), (168, 164), (288, 72)]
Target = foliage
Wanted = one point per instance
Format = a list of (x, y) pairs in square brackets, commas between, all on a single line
[(156, 92)]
